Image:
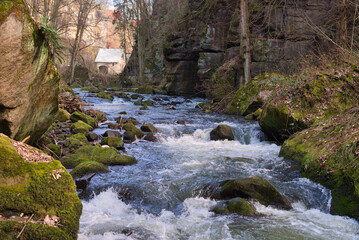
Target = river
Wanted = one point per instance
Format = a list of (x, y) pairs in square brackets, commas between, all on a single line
[(159, 197)]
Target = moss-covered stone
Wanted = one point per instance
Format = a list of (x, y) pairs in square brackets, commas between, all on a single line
[(129, 136), (81, 127), (88, 167), (115, 142), (255, 188), (77, 140), (30, 188), (130, 127), (236, 205), (328, 153), (138, 102), (148, 102), (91, 89), (55, 149), (145, 90), (62, 115), (144, 107), (76, 116), (148, 127), (105, 96), (105, 156)]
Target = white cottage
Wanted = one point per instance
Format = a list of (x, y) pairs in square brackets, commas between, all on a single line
[(110, 61)]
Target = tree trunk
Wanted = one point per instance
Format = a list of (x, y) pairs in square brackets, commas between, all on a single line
[(341, 24), (245, 44)]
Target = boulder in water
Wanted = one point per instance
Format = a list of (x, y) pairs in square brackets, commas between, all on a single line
[(222, 132), (92, 137), (181, 122), (115, 142), (129, 136), (148, 127), (111, 133), (150, 137), (254, 188), (131, 127), (235, 205), (89, 167)]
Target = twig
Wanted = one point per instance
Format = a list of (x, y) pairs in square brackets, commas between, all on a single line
[(23, 228)]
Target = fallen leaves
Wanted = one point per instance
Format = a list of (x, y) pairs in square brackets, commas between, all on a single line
[(29, 153)]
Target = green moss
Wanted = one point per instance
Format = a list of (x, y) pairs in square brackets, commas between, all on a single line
[(105, 156), (138, 102), (38, 192), (62, 115), (77, 140), (130, 127), (88, 167), (55, 149), (76, 116), (144, 107), (90, 89), (104, 95), (81, 127), (145, 90), (112, 142)]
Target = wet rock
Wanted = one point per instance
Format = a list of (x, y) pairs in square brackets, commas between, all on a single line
[(89, 167), (92, 137), (150, 137), (170, 108), (148, 127), (131, 127), (181, 122), (81, 127), (77, 140), (55, 149), (107, 156), (62, 115), (136, 96), (129, 136), (115, 142), (98, 115), (110, 133), (120, 95), (222, 132), (254, 188), (144, 107), (113, 126), (138, 102), (105, 96), (235, 205), (123, 113), (83, 182), (76, 116), (148, 102)]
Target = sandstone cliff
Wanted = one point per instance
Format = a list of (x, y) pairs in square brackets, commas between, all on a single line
[(29, 83)]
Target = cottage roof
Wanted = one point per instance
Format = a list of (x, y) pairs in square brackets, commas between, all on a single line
[(109, 55)]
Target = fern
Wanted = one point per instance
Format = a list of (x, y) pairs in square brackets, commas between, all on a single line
[(53, 37)]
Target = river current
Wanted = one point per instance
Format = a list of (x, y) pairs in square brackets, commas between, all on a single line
[(159, 198)]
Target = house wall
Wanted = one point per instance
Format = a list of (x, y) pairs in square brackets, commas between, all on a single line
[(113, 68)]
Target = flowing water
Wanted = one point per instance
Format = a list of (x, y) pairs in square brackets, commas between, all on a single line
[(159, 197)]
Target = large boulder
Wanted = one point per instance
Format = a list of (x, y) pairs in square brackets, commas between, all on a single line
[(130, 127), (254, 188), (29, 84), (329, 154), (31, 182), (148, 127), (115, 142), (235, 205), (222, 132), (79, 116)]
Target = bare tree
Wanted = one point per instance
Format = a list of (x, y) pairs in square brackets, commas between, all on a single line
[(245, 43)]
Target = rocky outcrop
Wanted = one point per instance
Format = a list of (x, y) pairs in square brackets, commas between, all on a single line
[(29, 84), (222, 132)]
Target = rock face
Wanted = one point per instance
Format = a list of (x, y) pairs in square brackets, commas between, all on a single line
[(203, 51), (29, 84)]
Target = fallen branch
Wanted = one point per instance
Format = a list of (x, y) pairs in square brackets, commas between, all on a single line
[(23, 228)]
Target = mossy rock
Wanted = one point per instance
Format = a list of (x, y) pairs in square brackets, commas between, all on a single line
[(77, 140), (105, 96), (30, 188), (121, 95), (130, 127), (55, 149), (105, 156), (137, 96), (62, 115), (91, 89), (88, 167), (255, 188), (253, 95), (222, 132), (115, 142), (10, 229), (328, 153), (148, 127), (144, 107), (129, 136), (236, 205), (278, 123), (205, 105), (148, 102), (81, 127), (77, 116), (138, 102), (145, 90), (255, 115)]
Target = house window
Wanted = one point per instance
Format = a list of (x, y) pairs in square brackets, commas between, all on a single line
[(113, 64)]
